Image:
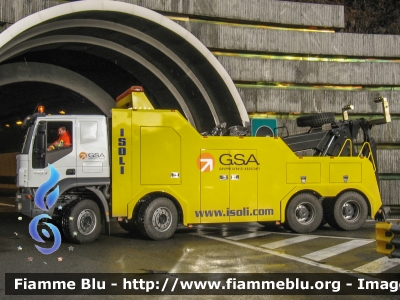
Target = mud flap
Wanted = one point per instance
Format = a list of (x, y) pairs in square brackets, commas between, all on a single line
[(382, 213)]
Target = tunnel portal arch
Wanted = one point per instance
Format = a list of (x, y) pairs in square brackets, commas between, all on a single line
[(98, 49)]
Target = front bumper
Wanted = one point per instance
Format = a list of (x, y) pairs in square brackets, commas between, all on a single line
[(24, 203)]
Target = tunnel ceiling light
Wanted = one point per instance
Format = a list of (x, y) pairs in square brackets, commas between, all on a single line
[(7, 125), (248, 25), (295, 115), (296, 86), (177, 18), (18, 122), (221, 52)]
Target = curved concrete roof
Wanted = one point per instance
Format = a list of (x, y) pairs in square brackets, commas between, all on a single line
[(112, 45)]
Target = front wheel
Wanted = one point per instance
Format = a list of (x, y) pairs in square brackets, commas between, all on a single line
[(81, 221), (348, 212), (303, 213), (158, 219)]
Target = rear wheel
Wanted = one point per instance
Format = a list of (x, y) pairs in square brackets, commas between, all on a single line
[(348, 212), (303, 213), (158, 219), (81, 221)]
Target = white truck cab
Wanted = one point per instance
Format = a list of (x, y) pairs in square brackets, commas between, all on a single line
[(83, 167)]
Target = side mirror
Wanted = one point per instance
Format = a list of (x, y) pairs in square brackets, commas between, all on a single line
[(40, 143), (39, 147), (41, 128)]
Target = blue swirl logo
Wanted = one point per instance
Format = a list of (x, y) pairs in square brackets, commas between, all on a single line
[(50, 201)]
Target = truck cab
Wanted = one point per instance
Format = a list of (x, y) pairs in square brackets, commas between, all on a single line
[(83, 166)]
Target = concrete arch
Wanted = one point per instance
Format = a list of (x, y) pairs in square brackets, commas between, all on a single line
[(117, 36), (36, 72), (99, 42)]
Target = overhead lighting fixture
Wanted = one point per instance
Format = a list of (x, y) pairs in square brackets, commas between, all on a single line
[(7, 125), (315, 58), (295, 86), (219, 22), (19, 122)]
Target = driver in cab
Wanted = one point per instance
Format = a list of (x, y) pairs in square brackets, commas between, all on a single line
[(64, 139)]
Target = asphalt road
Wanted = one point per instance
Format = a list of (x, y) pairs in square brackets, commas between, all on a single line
[(237, 248)]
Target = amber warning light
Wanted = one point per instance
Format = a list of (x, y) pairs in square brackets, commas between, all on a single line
[(40, 109), (132, 89)]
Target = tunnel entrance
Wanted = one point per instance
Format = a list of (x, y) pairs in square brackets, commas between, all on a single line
[(78, 57)]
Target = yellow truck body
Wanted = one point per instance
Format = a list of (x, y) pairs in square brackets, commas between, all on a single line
[(221, 179)]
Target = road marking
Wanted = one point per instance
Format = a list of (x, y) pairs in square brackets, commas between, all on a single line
[(318, 236), (283, 255), (248, 235), (3, 204), (387, 220), (378, 266), (179, 262), (335, 250), (291, 241)]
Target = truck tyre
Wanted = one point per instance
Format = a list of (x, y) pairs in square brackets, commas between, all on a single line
[(347, 212), (81, 221), (315, 120), (158, 219), (303, 213)]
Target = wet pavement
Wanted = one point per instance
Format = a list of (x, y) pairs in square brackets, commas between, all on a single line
[(234, 248)]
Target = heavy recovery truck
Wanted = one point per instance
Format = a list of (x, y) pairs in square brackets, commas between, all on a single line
[(150, 169)]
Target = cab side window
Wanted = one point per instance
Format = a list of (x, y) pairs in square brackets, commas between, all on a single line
[(51, 143), (88, 132)]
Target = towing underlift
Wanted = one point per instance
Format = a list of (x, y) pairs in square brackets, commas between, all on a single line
[(340, 140)]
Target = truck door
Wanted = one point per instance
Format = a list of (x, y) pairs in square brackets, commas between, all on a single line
[(214, 181), (62, 158), (92, 160), (228, 185), (243, 186)]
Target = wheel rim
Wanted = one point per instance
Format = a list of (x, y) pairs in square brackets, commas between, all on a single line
[(305, 213), (86, 221), (351, 210), (162, 219)]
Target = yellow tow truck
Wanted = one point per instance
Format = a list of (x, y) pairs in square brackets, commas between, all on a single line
[(156, 170)]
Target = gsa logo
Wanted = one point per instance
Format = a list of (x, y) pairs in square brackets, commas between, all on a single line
[(50, 201), (83, 155), (205, 162)]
